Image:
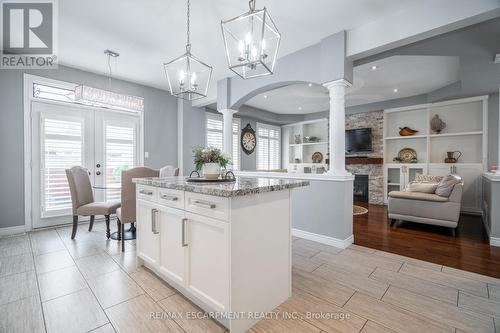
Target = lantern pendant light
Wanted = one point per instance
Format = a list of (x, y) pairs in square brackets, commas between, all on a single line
[(252, 42), (188, 77)]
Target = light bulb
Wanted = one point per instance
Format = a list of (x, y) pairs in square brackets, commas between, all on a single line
[(254, 52), (193, 79), (182, 75)]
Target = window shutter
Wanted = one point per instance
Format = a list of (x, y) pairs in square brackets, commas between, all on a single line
[(215, 136), (269, 143), (62, 148), (120, 151)]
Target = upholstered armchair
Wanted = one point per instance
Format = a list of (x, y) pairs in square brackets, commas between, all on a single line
[(82, 199), (126, 213)]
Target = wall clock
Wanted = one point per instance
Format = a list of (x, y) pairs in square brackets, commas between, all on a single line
[(248, 139)]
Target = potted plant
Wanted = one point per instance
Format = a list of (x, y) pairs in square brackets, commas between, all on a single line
[(210, 160)]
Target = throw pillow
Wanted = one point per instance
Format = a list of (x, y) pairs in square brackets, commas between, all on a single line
[(427, 178), (422, 187), (446, 185)]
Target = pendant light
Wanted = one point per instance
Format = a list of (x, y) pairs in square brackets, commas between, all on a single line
[(252, 42), (188, 77), (106, 98)]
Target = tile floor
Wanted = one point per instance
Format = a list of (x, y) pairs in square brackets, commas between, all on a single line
[(49, 283)]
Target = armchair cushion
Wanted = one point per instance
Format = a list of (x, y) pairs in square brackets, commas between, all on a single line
[(446, 185), (417, 196), (99, 208), (422, 187)]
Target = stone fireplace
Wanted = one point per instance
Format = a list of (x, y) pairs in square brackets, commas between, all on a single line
[(369, 165)]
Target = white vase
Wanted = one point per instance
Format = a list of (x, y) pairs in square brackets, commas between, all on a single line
[(211, 170)]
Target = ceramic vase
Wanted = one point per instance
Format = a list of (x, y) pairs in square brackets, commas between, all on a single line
[(211, 170)]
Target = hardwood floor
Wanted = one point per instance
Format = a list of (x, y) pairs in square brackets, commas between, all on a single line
[(468, 251), (90, 286)]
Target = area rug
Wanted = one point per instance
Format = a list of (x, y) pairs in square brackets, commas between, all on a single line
[(358, 210)]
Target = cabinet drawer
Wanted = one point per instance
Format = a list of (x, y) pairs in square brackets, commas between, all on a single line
[(146, 193), (207, 205), (171, 198)]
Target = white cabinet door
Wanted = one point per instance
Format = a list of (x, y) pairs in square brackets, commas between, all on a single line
[(172, 243), (208, 260), (148, 235), (472, 193), (440, 169)]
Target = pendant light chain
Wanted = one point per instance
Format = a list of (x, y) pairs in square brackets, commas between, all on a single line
[(188, 23)]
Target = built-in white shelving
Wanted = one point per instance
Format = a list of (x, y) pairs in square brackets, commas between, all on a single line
[(465, 131), (297, 156)]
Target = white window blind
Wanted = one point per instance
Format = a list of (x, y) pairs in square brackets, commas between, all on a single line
[(268, 147), (120, 155), (61, 148), (215, 137)]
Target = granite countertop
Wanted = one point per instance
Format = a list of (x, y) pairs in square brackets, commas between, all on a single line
[(242, 186)]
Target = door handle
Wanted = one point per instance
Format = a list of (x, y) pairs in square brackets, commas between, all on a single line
[(98, 165), (146, 192), (154, 213), (184, 243), (169, 197), (98, 173), (202, 204)]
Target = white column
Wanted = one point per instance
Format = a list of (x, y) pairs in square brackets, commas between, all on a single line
[(227, 131), (337, 90)]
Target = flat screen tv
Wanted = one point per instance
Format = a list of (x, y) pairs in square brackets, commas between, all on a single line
[(358, 141)]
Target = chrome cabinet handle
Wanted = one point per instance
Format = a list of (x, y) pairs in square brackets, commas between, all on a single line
[(184, 243), (146, 192), (169, 197), (202, 204), (154, 214)]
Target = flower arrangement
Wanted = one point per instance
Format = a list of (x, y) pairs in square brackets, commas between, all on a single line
[(205, 155)]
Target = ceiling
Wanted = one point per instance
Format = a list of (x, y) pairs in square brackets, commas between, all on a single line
[(149, 33), (410, 75)]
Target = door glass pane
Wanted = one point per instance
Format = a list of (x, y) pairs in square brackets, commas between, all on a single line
[(119, 156), (62, 148)]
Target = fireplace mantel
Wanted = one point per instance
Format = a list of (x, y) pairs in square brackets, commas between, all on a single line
[(364, 160)]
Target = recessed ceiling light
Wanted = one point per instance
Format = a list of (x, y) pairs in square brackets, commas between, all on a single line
[(300, 107), (265, 96), (395, 90), (374, 67), (310, 84)]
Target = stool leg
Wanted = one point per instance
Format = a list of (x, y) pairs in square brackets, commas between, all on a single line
[(108, 232), (91, 225), (119, 232), (75, 226), (123, 238)]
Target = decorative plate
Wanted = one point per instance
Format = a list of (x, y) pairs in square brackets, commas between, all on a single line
[(317, 157), (406, 155)]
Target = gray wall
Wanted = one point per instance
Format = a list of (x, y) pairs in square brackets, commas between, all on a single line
[(194, 127), (160, 127)]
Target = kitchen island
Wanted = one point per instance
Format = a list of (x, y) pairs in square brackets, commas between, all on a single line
[(227, 246)]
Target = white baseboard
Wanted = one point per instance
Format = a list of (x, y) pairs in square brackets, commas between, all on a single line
[(12, 230), (336, 242), (494, 241)]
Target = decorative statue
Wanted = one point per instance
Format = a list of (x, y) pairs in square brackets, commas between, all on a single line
[(437, 125)]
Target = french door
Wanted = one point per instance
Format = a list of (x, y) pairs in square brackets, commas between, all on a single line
[(105, 142)]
